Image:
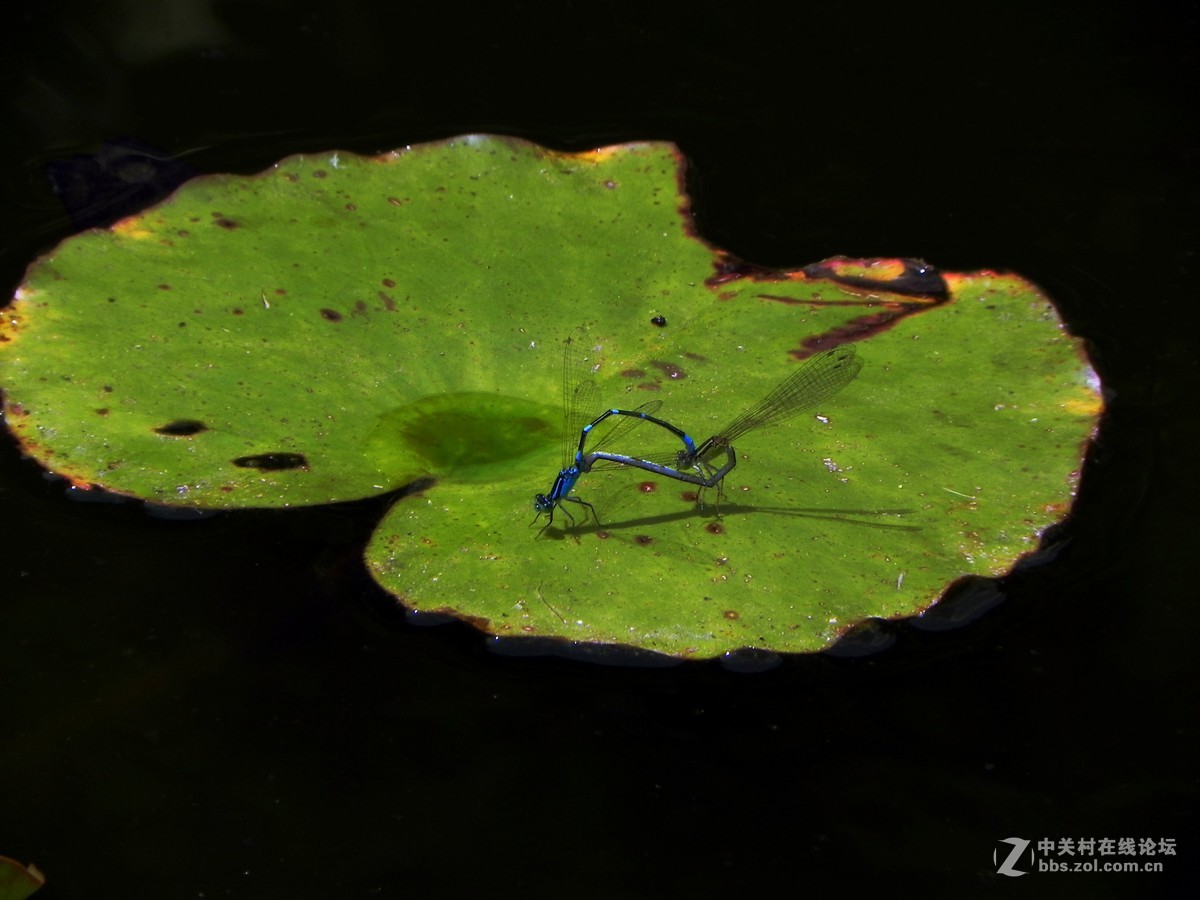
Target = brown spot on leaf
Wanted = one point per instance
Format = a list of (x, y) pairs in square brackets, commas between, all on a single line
[(331, 315), (669, 369)]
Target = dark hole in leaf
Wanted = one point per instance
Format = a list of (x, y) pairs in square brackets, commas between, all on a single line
[(181, 428), (272, 461)]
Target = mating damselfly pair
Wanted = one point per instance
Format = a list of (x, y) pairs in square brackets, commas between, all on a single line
[(818, 379)]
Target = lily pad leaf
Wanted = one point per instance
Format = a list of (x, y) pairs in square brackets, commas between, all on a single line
[(17, 881), (342, 326)]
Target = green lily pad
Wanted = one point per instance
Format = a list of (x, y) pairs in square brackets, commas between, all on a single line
[(17, 881), (341, 326)]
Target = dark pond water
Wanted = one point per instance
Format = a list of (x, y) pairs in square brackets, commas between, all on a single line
[(230, 708)]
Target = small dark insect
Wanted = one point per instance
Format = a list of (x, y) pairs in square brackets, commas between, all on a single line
[(660, 321)]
